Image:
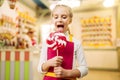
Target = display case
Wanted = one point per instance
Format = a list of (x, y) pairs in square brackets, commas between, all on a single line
[(18, 31), (98, 29)]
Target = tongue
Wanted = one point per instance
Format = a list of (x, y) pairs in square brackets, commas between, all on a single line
[(60, 29)]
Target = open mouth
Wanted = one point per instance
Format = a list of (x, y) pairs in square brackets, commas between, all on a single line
[(60, 26)]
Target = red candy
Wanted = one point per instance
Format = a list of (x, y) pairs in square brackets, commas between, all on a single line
[(56, 40)]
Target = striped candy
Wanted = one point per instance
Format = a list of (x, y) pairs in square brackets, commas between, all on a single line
[(15, 65), (56, 40)]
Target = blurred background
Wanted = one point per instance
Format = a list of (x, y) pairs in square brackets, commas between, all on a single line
[(24, 24)]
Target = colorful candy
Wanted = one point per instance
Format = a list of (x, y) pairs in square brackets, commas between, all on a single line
[(56, 40)]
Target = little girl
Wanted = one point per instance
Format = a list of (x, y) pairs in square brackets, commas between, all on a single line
[(71, 63)]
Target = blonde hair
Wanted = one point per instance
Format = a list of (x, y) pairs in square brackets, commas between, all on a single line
[(64, 6), (69, 11)]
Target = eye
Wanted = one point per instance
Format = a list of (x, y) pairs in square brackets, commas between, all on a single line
[(55, 17), (64, 16)]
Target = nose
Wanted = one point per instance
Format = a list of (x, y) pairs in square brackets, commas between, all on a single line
[(60, 19)]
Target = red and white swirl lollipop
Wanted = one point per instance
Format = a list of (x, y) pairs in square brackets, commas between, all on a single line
[(56, 41)]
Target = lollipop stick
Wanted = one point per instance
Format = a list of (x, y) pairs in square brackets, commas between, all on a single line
[(57, 55), (57, 52)]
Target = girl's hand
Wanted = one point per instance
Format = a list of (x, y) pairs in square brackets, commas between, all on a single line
[(60, 72), (56, 61), (66, 73)]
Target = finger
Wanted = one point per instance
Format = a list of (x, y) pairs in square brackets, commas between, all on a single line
[(60, 57), (57, 64), (59, 61), (58, 70)]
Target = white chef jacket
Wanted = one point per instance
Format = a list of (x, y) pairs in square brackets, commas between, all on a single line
[(79, 61)]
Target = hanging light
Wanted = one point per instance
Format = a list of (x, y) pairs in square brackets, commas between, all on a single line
[(108, 3), (70, 3)]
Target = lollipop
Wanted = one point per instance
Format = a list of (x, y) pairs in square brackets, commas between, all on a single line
[(56, 41)]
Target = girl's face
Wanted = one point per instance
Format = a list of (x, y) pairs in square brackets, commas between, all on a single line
[(61, 19)]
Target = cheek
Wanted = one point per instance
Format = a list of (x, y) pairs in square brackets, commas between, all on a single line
[(53, 22), (68, 21)]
